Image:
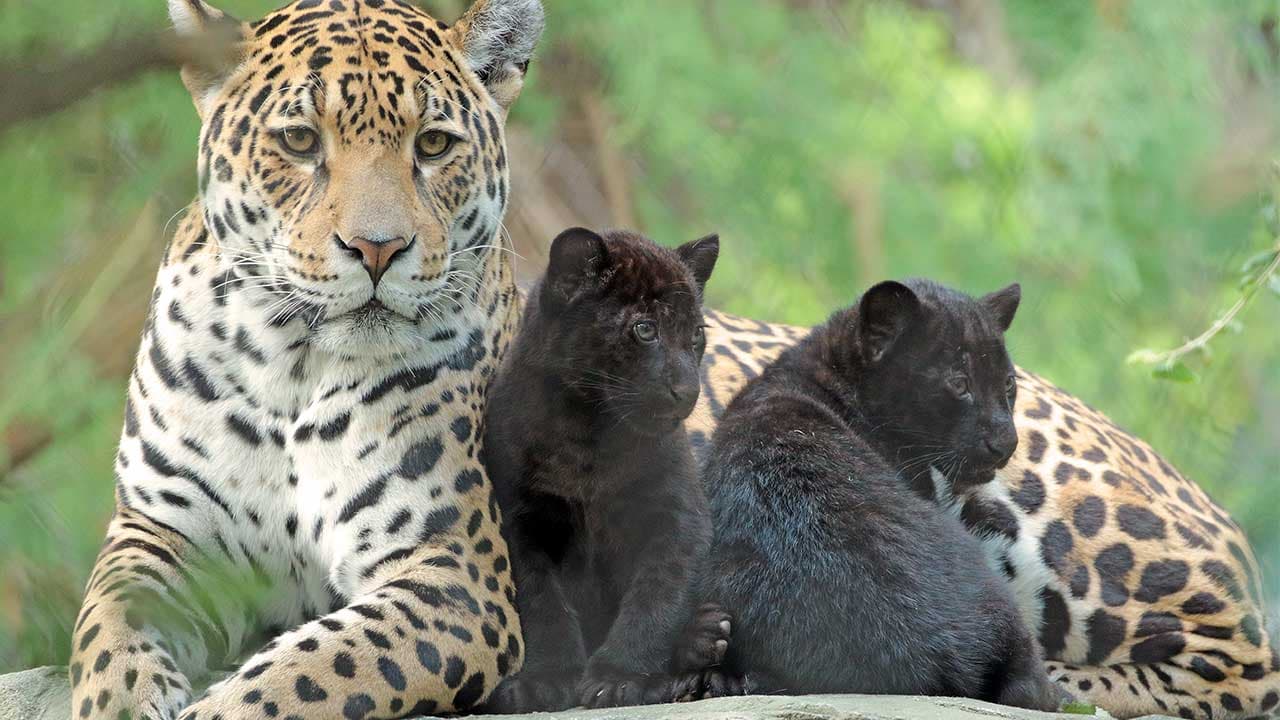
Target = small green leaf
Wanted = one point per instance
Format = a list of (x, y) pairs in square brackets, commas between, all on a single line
[(1143, 357), (1079, 708), (1175, 372), (1257, 262), (1271, 215)]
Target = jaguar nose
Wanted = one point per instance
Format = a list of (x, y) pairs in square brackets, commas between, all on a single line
[(376, 254)]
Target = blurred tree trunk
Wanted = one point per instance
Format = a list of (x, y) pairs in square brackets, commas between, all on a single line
[(861, 190), (38, 86), (980, 36)]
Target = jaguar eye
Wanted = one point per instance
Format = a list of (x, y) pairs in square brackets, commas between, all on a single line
[(300, 140), (699, 334), (433, 143), (645, 331)]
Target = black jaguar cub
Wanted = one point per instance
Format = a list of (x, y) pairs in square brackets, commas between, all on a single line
[(839, 576), (603, 510)]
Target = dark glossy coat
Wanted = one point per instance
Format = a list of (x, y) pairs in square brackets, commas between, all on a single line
[(603, 510), (839, 576)]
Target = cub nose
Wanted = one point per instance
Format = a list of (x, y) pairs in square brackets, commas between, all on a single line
[(1000, 446), (685, 396), (376, 254)]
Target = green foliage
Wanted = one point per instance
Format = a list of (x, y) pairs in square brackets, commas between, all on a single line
[(1079, 708), (831, 144), (1259, 273), (1109, 178)]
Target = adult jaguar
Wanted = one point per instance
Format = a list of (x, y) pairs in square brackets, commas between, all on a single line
[(300, 453), (300, 447), (1145, 594)]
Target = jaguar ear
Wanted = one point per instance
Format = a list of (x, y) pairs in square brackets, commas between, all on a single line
[(213, 47), (497, 39), (884, 314), (1003, 304), (578, 257), (700, 257)]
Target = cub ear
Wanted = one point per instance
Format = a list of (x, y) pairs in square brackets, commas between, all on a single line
[(212, 49), (884, 313), (700, 257), (1003, 304), (578, 257), (498, 38)]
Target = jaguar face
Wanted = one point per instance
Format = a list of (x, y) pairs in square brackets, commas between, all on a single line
[(353, 168)]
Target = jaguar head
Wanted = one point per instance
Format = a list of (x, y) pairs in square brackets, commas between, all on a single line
[(352, 163)]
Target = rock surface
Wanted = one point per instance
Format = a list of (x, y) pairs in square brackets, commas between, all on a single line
[(43, 694), (35, 695)]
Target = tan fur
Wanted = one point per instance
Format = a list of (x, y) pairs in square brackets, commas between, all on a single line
[(318, 479)]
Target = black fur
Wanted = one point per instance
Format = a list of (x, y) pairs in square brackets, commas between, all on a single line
[(840, 578), (603, 510), (935, 386)]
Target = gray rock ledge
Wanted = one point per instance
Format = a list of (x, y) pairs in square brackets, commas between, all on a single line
[(44, 694)]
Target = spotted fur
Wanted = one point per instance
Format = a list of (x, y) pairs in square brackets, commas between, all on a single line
[(293, 457), (300, 454), (1144, 593)]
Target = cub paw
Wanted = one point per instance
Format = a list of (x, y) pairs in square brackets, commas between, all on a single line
[(687, 687), (716, 682), (531, 692), (618, 689), (1064, 698), (1037, 692), (706, 639)]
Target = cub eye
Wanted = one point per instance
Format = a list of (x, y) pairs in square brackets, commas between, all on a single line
[(433, 143), (300, 140), (645, 331), (699, 334), (959, 385)]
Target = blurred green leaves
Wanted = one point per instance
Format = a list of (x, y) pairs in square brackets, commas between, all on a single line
[(1110, 157), (1113, 161), (1259, 273)]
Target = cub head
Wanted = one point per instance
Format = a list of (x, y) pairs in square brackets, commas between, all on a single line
[(622, 325), (934, 380), (352, 162)]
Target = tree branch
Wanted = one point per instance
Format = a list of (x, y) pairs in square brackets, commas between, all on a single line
[(1258, 274), (37, 88)]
